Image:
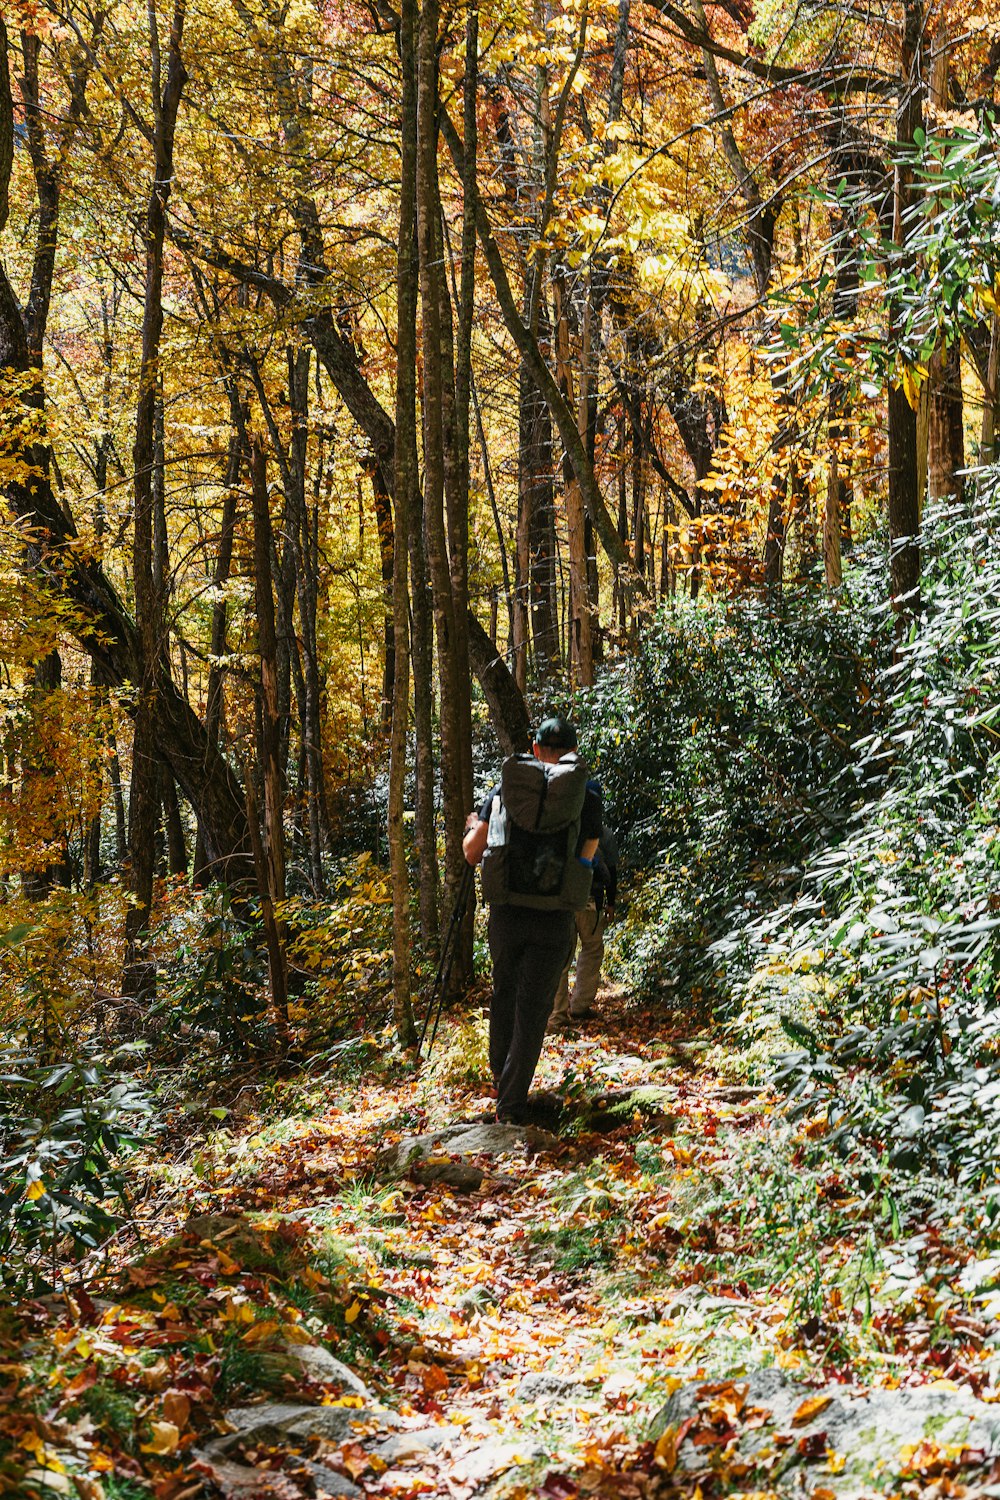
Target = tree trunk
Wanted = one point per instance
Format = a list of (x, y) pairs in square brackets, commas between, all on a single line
[(173, 826), (139, 977), (987, 436), (508, 712), (437, 414), (406, 477), (945, 410), (774, 546), (904, 492), (273, 936), (215, 706), (580, 619), (273, 890), (833, 570)]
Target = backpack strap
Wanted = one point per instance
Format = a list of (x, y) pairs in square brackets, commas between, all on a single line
[(541, 802)]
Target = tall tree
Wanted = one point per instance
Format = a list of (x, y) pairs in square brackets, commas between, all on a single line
[(139, 976)]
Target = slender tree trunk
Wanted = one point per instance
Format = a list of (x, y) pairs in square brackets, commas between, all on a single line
[(422, 660), (273, 936), (437, 415), (832, 563), (273, 891), (904, 492), (774, 546), (173, 826), (497, 524), (987, 435), (945, 409), (406, 482), (139, 978), (215, 697), (581, 639), (312, 714)]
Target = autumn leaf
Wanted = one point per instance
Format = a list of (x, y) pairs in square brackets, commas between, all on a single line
[(165, 1438), (665, 1451), (259, 1332), (177, 1409), (434, 1379), (809, 1409)]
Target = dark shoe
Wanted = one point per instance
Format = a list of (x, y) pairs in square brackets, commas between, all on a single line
[(564, 1025), (511, 1117), (583, 1015)]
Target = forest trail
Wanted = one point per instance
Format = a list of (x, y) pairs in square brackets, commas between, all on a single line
[(617, 1311)]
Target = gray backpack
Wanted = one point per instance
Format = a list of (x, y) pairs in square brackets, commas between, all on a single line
[(530, 857)]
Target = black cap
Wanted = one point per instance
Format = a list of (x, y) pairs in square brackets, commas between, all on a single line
[(556, 733)]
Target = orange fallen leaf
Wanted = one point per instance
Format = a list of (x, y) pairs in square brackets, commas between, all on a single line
[(809, 1409), (665, 1452), (265, 1329), (434, 1379)]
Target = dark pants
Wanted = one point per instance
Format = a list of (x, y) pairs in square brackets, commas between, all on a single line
[(529, 950)]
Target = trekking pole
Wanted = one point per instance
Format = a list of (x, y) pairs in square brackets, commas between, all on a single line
[(447, 958)]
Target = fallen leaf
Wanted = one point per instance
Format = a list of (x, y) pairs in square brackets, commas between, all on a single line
[(165, 1438), (51, 1479), (88, 1489), (665, 1451), (265, 1329), (177, 1409), (434, 1379), (809, 1409)]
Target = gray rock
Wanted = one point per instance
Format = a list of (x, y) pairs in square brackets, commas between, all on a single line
[(540, 1385), (869, 1428), (460, 1175), (274, 1421), (417, 1443), (492, 1456), (329, 1482), (475, 1299), (465, 1140), (243, 1482), (318, 1364)]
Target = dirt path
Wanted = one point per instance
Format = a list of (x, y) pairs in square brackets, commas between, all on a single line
[(668, 1296)]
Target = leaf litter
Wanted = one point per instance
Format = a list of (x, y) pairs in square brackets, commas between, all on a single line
[(298, 1326)]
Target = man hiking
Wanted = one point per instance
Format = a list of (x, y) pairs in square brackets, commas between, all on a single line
[(570, 1008), (535, 835)]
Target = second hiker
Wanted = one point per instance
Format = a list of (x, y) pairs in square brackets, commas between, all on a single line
[(536, 835), (569, 1008)]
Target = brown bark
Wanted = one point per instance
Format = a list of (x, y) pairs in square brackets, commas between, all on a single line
[(270, 723), (987, 435), (406, 474), (437, 417), (273, 937), (945, 410), (139, 976), (580, 617), (215, 695), (6, 126), (904, 492), (173, 826), (508, 712)]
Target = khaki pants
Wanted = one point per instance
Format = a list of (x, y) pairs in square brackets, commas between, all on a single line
[(590, 924)]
